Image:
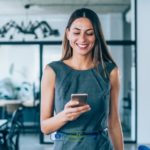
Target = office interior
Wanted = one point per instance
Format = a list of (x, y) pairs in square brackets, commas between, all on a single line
[(31, 34)]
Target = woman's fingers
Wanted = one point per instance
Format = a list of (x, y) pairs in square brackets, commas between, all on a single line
[(78, 109), (73, 115), (81, 108), (72, 111), (71, 104)]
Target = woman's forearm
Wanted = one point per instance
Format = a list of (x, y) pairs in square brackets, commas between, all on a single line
[(53, 124), (117, 137)]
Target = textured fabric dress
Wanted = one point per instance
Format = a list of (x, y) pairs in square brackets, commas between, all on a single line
[(93, 82)]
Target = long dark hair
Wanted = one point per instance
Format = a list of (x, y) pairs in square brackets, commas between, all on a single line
[(100, 53)]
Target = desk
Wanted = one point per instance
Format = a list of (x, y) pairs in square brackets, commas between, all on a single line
[(9, 105), (4, 102)]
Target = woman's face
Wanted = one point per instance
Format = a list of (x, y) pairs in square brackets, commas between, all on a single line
[(81, 36)]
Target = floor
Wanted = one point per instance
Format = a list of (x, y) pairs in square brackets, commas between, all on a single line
[(31, 142)]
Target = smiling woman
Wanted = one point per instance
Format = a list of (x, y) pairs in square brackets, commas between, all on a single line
[(86, 67)]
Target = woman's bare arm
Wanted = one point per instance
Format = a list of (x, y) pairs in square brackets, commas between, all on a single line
[(115, 129), (48, 122)]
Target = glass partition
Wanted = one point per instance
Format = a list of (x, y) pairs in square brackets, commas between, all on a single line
[(20, 62), (19, 77), (51, 53), (125, 59)]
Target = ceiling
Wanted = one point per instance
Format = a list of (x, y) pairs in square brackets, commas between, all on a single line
[(17, 7)]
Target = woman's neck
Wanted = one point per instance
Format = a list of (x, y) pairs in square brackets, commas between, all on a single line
[(81, 63)]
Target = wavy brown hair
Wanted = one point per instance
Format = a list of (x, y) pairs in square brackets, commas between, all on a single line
[(100, 52)]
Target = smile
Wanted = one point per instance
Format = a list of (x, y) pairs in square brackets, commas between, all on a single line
[(82, 45)]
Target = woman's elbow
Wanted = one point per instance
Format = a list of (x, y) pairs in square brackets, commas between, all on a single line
[(44, 128)]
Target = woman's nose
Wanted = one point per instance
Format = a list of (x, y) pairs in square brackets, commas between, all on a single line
[(82, 37)]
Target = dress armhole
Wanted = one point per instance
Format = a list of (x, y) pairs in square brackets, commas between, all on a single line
[(52, 66), (110, 67)]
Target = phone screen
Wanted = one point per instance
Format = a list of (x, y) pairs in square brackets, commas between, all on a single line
[(80, 97)]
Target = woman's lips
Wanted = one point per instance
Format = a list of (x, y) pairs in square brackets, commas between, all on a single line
[(82, 46)]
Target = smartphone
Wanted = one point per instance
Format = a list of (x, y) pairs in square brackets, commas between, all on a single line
[(80, 97)]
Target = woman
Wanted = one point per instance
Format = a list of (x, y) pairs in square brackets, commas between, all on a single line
[(86, 67)]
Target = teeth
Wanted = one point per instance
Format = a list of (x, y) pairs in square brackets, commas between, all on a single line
[(82, 45)]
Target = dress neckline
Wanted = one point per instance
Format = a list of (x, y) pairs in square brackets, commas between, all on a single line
[(78, 70)]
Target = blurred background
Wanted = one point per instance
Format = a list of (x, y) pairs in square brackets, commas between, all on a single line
[(31, 34)]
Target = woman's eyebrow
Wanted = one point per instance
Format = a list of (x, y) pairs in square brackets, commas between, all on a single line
[(76, 28), (80, 29)]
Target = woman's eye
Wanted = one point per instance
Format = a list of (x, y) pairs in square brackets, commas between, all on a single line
[(76, 33), (90, 33)]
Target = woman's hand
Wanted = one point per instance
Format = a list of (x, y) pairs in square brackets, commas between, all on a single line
[(72, 112)]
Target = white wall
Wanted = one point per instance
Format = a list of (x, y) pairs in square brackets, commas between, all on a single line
[(143, 62), (59, 22), (25, 61)]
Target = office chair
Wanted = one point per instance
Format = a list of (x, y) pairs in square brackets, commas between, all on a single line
[(12, 132)]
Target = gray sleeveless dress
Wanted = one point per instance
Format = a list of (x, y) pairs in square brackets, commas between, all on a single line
[(93, 82)]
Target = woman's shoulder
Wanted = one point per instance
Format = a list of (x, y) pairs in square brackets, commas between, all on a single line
[(110, 66), (54, 65), (58, 67)]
